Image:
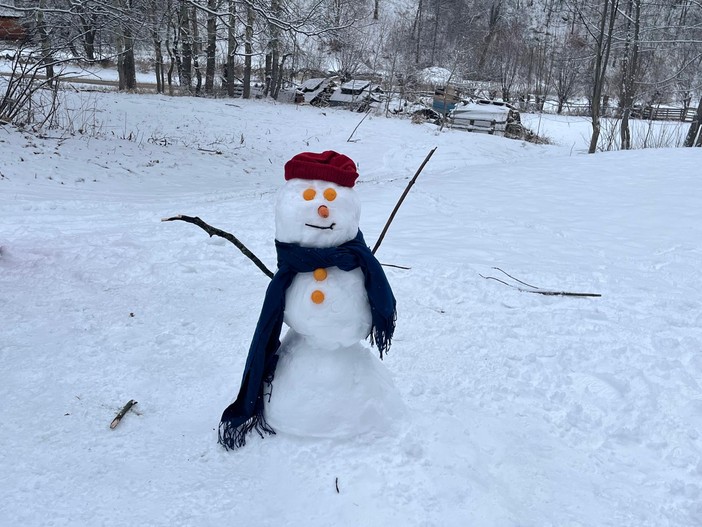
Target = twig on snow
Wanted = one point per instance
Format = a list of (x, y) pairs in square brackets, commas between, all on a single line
[(535, 289), (122, 413), (218, 152), (213, 231)]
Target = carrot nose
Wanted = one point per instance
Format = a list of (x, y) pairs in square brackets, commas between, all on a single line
[(323, 211)]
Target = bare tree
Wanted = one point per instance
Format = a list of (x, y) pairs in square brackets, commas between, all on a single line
[(493, 19), (629, 68), (126, 65), (568, 69), (598, 20)]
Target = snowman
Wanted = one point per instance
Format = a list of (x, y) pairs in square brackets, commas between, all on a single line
[(320, 381)]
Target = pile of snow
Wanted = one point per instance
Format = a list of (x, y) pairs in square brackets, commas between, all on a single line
[(522, 409), (434, 75)]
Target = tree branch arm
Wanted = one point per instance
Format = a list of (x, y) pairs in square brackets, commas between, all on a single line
[(402, 198), (213, 231)]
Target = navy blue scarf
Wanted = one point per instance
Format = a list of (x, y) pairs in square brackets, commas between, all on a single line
[(246, 413)]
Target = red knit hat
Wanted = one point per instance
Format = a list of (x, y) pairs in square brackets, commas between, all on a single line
[(327, 166)]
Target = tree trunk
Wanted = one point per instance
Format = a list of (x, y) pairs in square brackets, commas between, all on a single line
[(186, 74), (158, 66), (128, 70), (171, 67), (695, 125), (274, 51), (603, 45), (493, 20), (417, 30), (436, 31), (211, 46), (196, 51), (119, 45), (279, 81), (87, 24), (629, 69), (173, 48), (248, 50), (126, 65), (47, 58), (231, 48)]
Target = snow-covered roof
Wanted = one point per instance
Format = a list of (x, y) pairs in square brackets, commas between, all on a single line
[(339, 96), (481, 111), (355, 85), (9, 12), (312, 84), (347, 98), (310, 96)]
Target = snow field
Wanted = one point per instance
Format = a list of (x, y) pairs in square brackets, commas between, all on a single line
[(524, 410)]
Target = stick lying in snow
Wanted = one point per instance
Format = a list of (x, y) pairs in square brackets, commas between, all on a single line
[(121, 413), (213, 231), (533, 288)]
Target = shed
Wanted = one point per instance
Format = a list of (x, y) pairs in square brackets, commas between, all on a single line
[(492, 117), (355, 92), (313, 89)]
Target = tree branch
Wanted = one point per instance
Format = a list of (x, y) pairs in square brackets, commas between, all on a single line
[(534, 289), (402, 198), (213, 231)]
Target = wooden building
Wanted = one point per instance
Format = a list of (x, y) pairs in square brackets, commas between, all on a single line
[(11, 27)]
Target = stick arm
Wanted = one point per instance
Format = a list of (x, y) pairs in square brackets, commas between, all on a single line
[(213, 231)]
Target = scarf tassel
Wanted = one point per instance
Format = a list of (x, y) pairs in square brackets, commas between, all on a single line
[(232, 437), (382, 338)]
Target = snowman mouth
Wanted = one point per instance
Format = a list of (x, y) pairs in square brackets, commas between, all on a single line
[(330, 227)]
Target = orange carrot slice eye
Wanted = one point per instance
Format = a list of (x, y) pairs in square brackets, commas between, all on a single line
[(330, 194), (309, 194)]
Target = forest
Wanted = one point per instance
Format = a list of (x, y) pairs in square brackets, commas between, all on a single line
[(612, 55)]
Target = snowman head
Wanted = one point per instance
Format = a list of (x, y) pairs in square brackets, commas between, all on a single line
[(317, 206)]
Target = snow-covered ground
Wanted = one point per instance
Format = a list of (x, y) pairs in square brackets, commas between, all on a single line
[(523, 409)]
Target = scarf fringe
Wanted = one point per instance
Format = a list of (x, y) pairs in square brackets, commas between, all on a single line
[(232, 437), (382, 338)]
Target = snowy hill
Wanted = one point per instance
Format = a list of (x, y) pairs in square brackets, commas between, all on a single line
[(524, 409)]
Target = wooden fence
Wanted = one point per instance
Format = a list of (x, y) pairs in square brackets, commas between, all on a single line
[(652, 113)]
